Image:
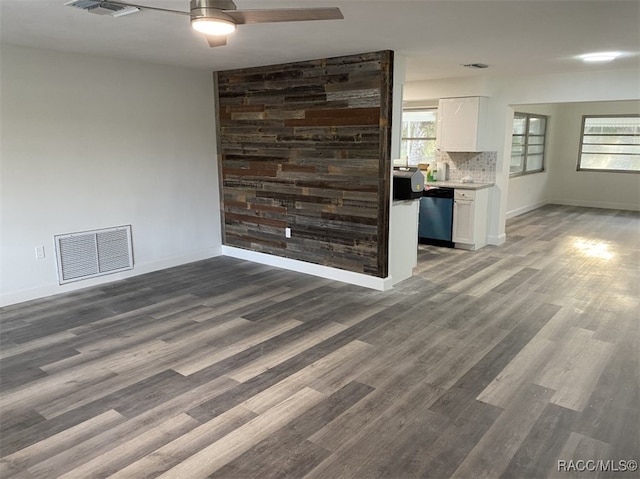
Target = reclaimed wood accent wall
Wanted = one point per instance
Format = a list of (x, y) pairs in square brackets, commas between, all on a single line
[(306, 146)]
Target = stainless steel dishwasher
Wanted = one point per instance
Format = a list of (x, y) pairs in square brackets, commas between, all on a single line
[(435, 221)]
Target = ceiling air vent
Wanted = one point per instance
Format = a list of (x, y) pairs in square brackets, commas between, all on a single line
[(93, 253), (103, 8), (476, 66)]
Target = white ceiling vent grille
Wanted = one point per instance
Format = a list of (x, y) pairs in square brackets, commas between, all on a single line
[(93, 253), (103, 7)]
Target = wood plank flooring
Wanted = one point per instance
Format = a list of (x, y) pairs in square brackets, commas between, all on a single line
[(496, 363)]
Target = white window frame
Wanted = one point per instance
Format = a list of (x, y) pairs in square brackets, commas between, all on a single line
[(403, 139), (582, 144), (526, 136)]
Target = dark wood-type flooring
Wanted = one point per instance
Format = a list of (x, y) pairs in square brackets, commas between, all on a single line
[(494, 363)]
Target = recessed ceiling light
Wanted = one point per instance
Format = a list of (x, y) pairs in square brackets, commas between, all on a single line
[(600, 56)]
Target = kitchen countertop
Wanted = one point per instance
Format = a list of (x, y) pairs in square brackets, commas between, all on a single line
[(458, 185)]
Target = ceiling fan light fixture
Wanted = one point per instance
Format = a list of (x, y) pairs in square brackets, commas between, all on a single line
[(213, 26)]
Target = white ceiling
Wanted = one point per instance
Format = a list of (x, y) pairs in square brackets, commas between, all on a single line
[(515, 37)]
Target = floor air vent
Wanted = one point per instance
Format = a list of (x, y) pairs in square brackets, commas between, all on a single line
[(93, 253)]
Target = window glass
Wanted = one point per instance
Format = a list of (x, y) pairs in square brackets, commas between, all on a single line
[(535, 140), (537, 125), (610, 143), (517, 163), (527, 144), (534, 162), (519, 124), (535, 150), (418, 143)]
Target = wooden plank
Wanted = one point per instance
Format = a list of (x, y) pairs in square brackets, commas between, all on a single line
[(179, 449), (188, 367), (538, 453), (280, 115), (521, 370), (52, 445), (213, 457), (288, 453), (364, 447), (578, 450), (574, 370), (326, 375), (492, 454), (270, 360), (105, 465)]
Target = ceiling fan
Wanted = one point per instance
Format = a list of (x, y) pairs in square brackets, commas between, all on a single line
[(215, 18)]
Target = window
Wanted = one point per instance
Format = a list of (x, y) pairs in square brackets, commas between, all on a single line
[(419, 136), (610, 143), (527, 144)]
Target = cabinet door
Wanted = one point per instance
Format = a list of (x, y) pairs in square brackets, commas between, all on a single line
[(459, 124), (463, 212)]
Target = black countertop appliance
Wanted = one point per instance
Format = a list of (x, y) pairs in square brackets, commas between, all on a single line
[(408, 183)]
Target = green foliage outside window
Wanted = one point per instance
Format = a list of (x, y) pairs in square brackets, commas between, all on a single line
[(419, 136)]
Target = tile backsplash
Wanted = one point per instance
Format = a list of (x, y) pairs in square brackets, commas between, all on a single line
[(481, 166)]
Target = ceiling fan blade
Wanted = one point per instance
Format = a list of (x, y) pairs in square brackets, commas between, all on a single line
[(284, 15), (220, 41)]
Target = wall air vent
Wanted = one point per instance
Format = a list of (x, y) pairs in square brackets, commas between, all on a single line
[(103, 8), (93, 253)]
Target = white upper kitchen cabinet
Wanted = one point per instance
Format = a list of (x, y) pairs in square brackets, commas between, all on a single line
[(461, 124)]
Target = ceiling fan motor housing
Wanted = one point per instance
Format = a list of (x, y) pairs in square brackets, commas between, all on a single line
[(211, 9), (211, 5), (217, 4)]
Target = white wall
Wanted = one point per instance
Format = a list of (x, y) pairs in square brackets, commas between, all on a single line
[(528, 192), (610, 85), (588, 188), (90, 143), (403, 215)]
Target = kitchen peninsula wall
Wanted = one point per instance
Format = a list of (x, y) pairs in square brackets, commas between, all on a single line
[(306, 146), (481, 166)]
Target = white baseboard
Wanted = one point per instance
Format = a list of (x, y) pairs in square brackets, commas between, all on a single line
[(51, 289), (525, 209), (497, 240), (569, 202), (595, 204), (358, 279)]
